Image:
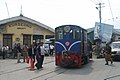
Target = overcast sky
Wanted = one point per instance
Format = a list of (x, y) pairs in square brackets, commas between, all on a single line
[(54, 13)]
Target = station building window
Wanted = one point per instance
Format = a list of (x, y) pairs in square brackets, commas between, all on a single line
[(27, 40), (38, 38), (7, 40), (49, 36)]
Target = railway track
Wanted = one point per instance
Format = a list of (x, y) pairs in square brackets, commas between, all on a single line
[(45, 76), (50, 74)]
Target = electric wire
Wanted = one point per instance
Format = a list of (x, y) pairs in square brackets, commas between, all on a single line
[(100, 1), (111, 10), (93, 1)]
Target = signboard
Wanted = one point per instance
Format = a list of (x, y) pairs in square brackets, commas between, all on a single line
[(97, 31), (104, 33)]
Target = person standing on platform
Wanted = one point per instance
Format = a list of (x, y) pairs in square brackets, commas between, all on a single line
[(15, 51), (108, 54), (25, 52), (51, 49), (18, 52), (7, 49), (3, 52), (40, 55), (31, 52)]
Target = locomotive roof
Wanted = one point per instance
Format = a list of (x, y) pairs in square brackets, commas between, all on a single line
[(70, 25)]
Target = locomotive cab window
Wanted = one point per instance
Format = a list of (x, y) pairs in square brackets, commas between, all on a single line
[(71, 34), (75, 33), (59, 34)]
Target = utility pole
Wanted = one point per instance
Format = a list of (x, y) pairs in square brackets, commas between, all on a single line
[(99, 8), (98, 43), (100, 13)]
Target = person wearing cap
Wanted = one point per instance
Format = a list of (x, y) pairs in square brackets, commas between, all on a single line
[(108, 54)]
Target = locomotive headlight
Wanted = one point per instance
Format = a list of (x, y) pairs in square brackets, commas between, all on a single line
[(67, 28)]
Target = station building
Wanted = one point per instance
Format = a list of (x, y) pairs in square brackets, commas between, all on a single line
[(23, 30)]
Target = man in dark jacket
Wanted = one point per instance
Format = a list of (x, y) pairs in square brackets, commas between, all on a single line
[(18, 52), (108, 54), (31, 52), (3, 51), (25, 52), (38, 56), (15, 51)]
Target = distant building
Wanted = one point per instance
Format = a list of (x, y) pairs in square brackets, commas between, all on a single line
[(115, 34), (90, 33), (23, 30)]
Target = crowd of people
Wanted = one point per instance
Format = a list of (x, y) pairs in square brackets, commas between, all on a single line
[(5, 50), (34, 52)]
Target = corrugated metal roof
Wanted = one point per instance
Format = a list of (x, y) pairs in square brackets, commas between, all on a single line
[(90, 30), (21, 17), (116, 31)]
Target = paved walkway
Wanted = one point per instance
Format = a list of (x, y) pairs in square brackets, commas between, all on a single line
[(11, 70), (95, 70)]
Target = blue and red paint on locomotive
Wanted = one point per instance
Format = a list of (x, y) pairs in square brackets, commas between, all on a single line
[(71, 47)]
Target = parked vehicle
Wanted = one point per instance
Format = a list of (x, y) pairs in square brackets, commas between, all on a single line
[(116, 50)]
